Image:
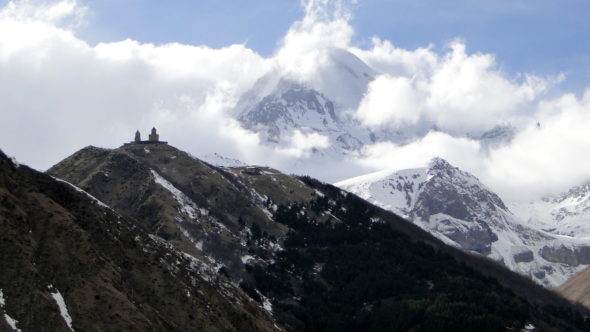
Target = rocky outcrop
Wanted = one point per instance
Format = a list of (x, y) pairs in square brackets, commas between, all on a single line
[(477, 237), (526, 257), (565, 255)]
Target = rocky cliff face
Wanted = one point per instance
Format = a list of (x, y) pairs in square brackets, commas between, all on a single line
[(69, 262), (454, 206)]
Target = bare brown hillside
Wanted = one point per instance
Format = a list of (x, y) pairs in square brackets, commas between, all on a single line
[(577, 289)]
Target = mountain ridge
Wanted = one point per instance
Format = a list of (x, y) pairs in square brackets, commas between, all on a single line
[(457, 208)]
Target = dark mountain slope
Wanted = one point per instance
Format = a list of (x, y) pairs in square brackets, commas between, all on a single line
[(367, 269), (317, 257), (60, 246)]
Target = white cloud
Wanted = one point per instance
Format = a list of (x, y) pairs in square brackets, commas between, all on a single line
[(302, 144), (546, 159), (467, 91), (386, 58), (542, 159), (308, 43), (177, 62), (390, 101), (66, 13), (458, 92), (387, 155)]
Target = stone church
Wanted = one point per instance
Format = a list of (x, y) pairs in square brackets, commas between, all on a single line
[(152, 138)]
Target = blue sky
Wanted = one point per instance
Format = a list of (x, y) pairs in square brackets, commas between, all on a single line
[(540, 37), (259, 23)]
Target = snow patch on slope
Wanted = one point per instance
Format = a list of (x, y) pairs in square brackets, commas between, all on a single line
[(14, 162), (96, 200), (267, 305), (9, 320), (187, 206), (63, 309), (197, 244), (222, 161)]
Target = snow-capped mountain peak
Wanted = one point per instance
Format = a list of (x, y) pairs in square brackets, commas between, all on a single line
[(403, 190), (282, 105), (457, 208), (291, 106)]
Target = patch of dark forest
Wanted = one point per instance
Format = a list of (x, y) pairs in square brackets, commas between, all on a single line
[(345, 269)]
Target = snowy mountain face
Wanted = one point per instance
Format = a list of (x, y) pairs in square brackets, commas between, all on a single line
[(278, 106), (291, 106), (565, 214), (455, 207), (295, 108)]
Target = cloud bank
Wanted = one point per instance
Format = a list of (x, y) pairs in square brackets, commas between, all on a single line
[(58, 93), (456, 91)]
